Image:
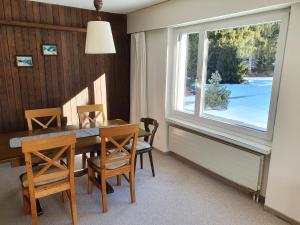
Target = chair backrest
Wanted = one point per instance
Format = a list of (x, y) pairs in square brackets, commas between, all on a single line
[(84, 112), (118, 137), (147, 123), (33, 115), (57, 147)]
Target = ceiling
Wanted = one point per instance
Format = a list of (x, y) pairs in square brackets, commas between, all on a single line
[(115, 6)]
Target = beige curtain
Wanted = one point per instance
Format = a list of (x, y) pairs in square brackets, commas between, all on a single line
[(138, 78)]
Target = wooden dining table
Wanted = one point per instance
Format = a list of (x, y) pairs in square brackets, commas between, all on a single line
[(83, 145), (91, 144)]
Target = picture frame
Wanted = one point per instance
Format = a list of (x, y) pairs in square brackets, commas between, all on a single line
[(24, 61), (49, 49)]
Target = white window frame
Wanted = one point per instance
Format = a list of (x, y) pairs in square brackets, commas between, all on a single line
[(214, 123)]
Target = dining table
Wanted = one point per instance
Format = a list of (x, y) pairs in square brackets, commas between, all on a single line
[(83, 145), (87, 144)]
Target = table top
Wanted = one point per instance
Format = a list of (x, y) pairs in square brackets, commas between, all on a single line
[(8, 154)]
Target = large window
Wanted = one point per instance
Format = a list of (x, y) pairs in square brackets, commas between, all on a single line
[(188, 65), (227, 73)]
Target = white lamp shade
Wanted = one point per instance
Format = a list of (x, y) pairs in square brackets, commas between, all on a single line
[(99, 38)]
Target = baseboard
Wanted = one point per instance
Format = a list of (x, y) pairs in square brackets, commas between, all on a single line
[(239, 187), (228, 182), (4, 165), (281, 216), (216, 176), (161, 152)]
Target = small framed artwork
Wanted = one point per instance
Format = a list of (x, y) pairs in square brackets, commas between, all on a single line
[(49, 49), (24, 61)]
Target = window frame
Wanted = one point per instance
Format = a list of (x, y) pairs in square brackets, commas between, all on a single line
[(213, 122)]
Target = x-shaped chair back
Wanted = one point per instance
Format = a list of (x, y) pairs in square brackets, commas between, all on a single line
[(33, 115), (43, 181), (58, 147), (84, 112), (118, 137)]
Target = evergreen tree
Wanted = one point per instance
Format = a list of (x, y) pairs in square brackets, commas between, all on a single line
[(216, 95), (193, 43), (229, 49)]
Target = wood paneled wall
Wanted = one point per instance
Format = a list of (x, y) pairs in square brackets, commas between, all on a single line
[(56, 81)]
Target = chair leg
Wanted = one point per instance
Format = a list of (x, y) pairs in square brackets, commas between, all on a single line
[(84, 157), (104, 194), (141, 159), (33, 210), (90, 177), (73, 205), (132, 186), (135, 163), (119, 180), (151, 162)]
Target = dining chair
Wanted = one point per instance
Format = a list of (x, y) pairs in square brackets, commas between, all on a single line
[(146, 146), (84, 112), (85, 118), (35, 114), (114, 159), (51, 177)]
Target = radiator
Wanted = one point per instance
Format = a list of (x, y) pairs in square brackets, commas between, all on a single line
[(241, 167)]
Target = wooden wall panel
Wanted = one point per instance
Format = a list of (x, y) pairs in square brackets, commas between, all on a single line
[(66, 80)]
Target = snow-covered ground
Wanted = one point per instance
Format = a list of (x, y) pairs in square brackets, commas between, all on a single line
[(249, 102)]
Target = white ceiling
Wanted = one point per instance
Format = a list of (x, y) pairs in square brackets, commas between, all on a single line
[(116, 6)]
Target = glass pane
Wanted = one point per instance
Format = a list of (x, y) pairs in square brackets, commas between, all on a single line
[(188, 61), (240, 70)]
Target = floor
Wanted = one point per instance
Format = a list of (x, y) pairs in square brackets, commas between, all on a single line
[(179, 194)]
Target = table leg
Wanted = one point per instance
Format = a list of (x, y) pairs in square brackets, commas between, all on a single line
[(109, 188), (39, 208)]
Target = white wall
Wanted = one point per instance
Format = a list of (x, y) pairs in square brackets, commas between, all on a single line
[(283, 190), (183, 11), (156, 42)]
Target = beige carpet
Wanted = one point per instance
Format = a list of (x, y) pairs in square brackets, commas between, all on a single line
[(179, 194)]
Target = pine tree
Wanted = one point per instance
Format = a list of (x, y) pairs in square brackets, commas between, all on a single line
[(216, 95)]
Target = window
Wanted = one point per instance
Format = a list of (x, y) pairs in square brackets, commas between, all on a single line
[(188, 64), (227, 73)]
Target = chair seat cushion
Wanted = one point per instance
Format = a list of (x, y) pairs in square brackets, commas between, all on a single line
[(36, 169), (110, 166), (141, 145)]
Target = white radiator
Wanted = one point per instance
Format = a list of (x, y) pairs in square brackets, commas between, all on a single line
[(241, 167)]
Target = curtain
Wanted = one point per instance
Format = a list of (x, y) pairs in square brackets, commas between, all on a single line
[(138, 78)]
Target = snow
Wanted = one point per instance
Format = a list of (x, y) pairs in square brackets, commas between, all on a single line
[(249, 102)]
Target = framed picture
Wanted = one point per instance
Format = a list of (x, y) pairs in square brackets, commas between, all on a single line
[(49, 49), (24, 61)]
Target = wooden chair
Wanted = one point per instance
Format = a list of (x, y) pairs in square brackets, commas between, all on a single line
[(84, 112), (115, 162), (85, 118), (146, 146), (33, 115), (51, 177)]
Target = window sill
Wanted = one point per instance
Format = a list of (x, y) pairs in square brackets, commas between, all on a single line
[(251, 145)]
